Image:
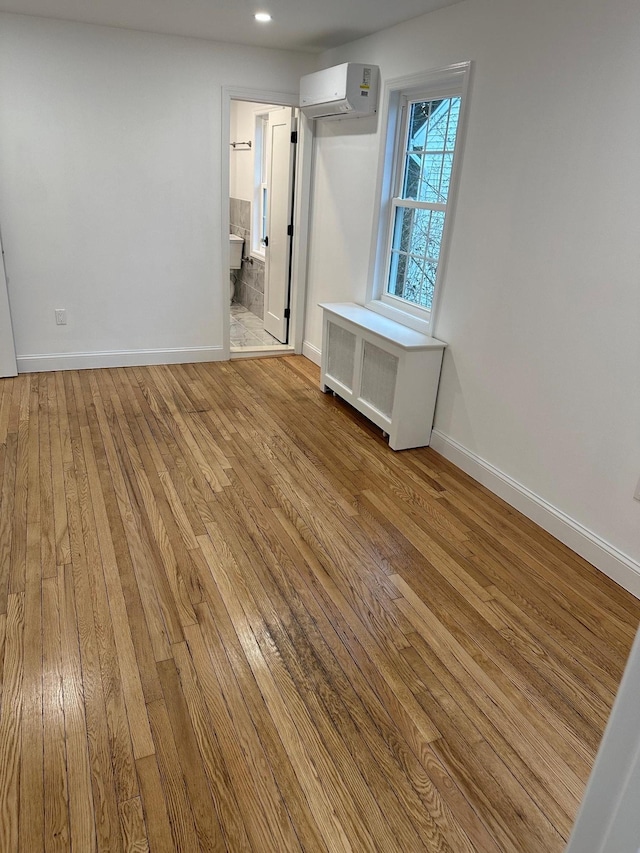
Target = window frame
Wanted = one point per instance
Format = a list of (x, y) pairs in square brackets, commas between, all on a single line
[(260, 185), (452, 81)]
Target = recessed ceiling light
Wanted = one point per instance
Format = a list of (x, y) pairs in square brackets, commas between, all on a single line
[(263, 17)]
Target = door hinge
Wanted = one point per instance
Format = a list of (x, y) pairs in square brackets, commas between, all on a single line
[(287, 313), (289, 230), (294, 137)]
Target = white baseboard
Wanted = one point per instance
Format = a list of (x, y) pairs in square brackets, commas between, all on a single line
[(312, 352), (604, 556), (116, 358)]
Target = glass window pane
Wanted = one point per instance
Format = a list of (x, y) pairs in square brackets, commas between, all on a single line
[(436, 139), (402, 230), (452, 129), (430, 180), (432, 128), (434, 238), (397, 273), (418, 120), (416, 244), (412, 173), (420, 282)]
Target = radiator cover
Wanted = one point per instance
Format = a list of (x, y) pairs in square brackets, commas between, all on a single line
[(387, 371)]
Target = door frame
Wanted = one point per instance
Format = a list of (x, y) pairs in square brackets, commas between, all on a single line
[(301, 208), (9, 345)]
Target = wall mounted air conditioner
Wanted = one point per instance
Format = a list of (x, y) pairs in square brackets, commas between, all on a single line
[(349, 90)]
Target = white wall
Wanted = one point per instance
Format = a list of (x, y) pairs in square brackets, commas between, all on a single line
[(241, 160), (110, 172), (541, 305)]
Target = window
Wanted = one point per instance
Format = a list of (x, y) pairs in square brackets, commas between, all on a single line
[(419, 164), (260, 201), (420, 205)]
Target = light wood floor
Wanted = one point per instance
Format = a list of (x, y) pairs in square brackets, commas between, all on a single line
[(232, 619)]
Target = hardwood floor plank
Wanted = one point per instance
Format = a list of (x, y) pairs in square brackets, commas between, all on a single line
[(207, 738), (82, 821), (31, 767), (154, 805), (58, 440), (32, 752), (3, 637), (207, 827), (171, 776), (10, 723), (6, 516), (6, 394), (132, 824), (46, 519), (56, 792), (17, 565)]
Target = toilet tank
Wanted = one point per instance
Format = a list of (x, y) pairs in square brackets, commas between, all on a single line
[(236, 245)]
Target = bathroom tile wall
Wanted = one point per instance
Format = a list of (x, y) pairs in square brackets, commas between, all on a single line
[(250, 278)]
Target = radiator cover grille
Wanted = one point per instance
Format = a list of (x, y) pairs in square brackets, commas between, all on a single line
[(379, 373), (341, 355)]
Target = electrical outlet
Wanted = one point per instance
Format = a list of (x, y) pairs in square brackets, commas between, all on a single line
[(637, 497), (61, 316)]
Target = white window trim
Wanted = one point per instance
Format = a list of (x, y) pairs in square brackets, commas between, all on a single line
[(442, 82)]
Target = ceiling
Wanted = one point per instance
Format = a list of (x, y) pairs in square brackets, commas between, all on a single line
[(307, 25)]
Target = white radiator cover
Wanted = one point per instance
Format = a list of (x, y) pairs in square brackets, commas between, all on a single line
[(387, 371)]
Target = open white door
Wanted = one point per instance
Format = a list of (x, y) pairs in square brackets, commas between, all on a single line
[(8, 366), (281, 161)]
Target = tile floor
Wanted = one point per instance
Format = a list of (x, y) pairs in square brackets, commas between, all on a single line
[(247, 329)]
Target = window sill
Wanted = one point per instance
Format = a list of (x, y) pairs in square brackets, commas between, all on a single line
[(402, 317), (258, 256)]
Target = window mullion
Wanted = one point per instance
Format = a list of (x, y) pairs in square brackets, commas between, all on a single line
[(420, 205)]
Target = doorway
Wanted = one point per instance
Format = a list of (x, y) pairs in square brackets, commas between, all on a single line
[(269, 172)]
